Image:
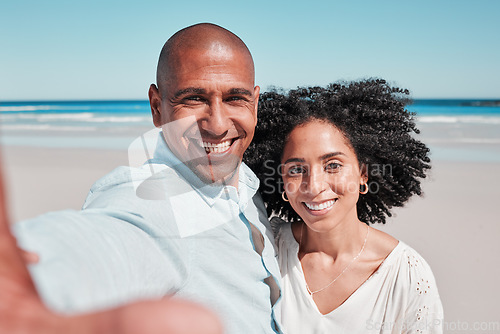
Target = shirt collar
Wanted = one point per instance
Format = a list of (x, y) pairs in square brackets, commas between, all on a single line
[(248, 183)]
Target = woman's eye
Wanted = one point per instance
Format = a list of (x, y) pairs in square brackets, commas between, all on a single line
[(333, 167), (296, 170)]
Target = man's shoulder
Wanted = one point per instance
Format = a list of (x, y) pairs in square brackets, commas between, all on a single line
[(136, 176), (148, 182), (122, 175)]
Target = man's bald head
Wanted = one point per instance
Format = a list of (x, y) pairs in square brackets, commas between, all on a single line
[(205, 38), (206, 100)]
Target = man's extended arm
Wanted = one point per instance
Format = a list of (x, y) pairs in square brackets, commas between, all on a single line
[(22, 311)]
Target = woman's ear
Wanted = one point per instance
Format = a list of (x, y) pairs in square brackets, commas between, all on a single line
[(364, 173)]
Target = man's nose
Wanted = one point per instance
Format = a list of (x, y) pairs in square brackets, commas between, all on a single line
[(216, 122)]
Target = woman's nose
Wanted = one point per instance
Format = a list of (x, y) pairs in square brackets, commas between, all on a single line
[(315, 182)]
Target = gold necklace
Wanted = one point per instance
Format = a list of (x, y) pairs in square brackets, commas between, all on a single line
[(343, 271)]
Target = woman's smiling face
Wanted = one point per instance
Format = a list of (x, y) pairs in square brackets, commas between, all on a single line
[(321, 175)]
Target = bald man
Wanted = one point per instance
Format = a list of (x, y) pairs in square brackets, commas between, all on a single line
[(188, 223)]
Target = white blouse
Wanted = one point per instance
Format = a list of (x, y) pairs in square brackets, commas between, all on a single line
[(400, 297)]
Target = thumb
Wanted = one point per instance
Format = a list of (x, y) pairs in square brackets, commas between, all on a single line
[(167, 316)]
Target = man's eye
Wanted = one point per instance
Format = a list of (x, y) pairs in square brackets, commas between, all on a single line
[(194, 98), (236, 98)]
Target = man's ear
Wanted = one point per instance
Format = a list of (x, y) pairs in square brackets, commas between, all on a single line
[(155, 103), (256, 92)]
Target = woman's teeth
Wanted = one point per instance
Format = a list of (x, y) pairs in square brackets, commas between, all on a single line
[(321, 206), (216, 148)]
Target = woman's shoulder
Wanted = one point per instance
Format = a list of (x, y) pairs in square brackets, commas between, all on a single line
[(403, 261), (412, 274), (419, 271), (416, 281), (398, 254)]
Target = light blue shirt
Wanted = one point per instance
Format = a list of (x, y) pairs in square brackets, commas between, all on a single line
[(157, 230)]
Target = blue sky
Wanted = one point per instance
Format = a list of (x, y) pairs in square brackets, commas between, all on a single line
[(87, 50)]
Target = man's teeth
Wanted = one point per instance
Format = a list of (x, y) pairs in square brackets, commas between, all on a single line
[(216, 148), (320, 206)]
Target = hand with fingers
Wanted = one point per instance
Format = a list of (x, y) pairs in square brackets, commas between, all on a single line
[(22, 311)]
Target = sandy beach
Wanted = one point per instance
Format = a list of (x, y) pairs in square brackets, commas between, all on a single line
[(454, 226)]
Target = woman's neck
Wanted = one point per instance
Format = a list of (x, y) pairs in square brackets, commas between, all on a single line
[(345, 238)]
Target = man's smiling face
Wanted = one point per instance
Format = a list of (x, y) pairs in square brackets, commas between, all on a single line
[(208, 110)]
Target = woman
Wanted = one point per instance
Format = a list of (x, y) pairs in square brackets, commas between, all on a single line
[(343, 157)]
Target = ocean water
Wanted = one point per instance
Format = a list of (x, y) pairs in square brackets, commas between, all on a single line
[(456, 130), (74, 124), (460, 130)]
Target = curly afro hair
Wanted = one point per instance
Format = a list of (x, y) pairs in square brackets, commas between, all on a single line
[(371, 115)]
